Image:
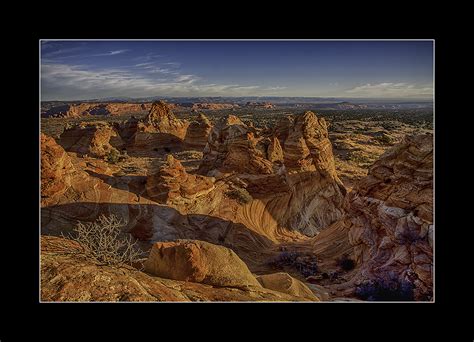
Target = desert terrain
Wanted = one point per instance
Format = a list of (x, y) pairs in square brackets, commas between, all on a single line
[(249, 201)]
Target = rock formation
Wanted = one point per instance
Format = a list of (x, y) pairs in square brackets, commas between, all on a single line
[(199, 262), (92, 138), (70, 194), (69, 276), (160, 127), (291, 172), (391, 213), (56, 167), (198, 133), (233, 148), (172, 184), (285, 283)]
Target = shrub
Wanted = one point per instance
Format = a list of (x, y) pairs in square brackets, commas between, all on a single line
[(240, 194), (384, 139), (385, 290), (346, 263), (306, 265), (103, 241), (113, 156)]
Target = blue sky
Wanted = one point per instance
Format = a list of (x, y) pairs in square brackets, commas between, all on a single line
[(77, 70)]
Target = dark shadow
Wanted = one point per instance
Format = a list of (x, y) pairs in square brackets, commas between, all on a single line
[(150, 222), (133, 184)]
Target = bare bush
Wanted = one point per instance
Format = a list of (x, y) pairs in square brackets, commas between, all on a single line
[(104, 241)]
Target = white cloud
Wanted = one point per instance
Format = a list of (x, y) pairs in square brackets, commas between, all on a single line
[(389, 89), (110, 53), (62, 81)]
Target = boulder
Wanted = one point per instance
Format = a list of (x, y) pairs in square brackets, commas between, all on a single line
[(199, 262)]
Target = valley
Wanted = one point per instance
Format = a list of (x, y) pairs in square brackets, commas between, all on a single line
[(251, 201)]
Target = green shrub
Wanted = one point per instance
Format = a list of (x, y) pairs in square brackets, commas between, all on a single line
[(113, 156), (240, 195), (384, 139)]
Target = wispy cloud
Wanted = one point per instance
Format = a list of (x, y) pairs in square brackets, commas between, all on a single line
[(63, 81), (110, 53), (390, 89)]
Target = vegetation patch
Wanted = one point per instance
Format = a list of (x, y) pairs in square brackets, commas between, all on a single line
[(105, 241), (240, 194), (386, 290), (113, 157), (306, 265)]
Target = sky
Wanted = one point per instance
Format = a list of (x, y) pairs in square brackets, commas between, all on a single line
[(80, 70)]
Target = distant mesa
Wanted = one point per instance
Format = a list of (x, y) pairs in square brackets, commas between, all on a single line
[(264, 105), (91, 109)]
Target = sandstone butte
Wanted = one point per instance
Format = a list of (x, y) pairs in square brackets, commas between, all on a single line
[(385, 223), (160, 127)]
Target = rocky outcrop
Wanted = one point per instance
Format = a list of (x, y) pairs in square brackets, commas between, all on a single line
[(198, 133), (233, 148), (160, 127), (94, 139), (391, 213), (70, 194), (283, 282), (56, 167), (172, 184), (199, 262), (291, 172), (69, 276)]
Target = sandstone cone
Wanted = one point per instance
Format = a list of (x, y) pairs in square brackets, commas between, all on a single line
[(160, 127), (234, 147), (199, 262), (198, 132), (173, 184)]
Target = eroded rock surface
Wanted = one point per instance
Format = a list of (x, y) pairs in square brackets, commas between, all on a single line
[(160, 127), (391, 213), (291, 172), (173, 184), (92, 138), (285, 283), (66, 276), (198, 132)]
